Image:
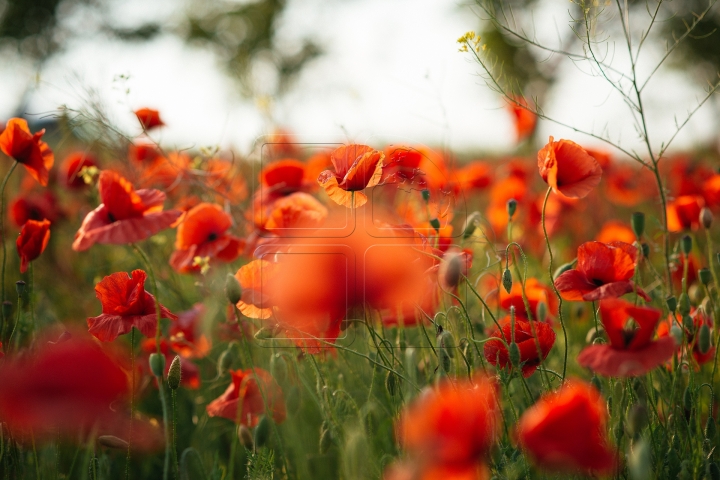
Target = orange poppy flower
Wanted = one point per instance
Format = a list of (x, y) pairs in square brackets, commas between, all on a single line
[(149, 118), (402, 166), (244, 400), (614, 231), (356, 167), (631, 351), (71, 167), (254, 277), (125, 304), (168, 171), (568, 168), (32, 241), (66, 387), (535, 292), (454, 425), (603, 271), (297, 210), (474, 177), (711, 191), (524, 120), (683, 213), (124, 216), (496, 353), (145, 153), (203, 233), (18, 143), (627, 185), (566, 431)]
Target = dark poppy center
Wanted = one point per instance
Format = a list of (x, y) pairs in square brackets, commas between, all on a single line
[(212, 237), (628, 336), (111, 217), (597, 282)]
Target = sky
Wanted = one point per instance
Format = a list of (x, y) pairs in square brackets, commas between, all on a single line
[(391, 73)]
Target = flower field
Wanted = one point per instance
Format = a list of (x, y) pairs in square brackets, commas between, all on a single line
[(343, 310)]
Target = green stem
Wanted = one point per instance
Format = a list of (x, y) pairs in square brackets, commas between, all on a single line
[(166, 423), (132, 402), (158, 311), (173, 396), (2, 226), (552, 282)]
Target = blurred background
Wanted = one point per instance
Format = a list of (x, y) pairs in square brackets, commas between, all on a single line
[(224, 72)]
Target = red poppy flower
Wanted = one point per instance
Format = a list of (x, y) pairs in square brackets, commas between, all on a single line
[(68, 386), (149, 118), (32, 241), (203, 233), (244, 401), (356, 167), (124, 216), (568, 168), (35, 206), (73, 165), (566, 431), (711, 191), (185, 335), (603, 271), (614, 231), (497, 354), (454, 425), (254, 278), (474, 177), (416, 470), (403, 166), (297, 210), (18, 143), (524, 120), (683, 213), (535, 292), (699, 318), (146, 153), (631, 351), (125, 304)]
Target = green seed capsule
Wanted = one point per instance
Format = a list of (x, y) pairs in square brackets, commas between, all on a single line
[(704, 339), (705, 276), (684, 304), (20, 287), (645, 250), (686, 244), (511, 207)]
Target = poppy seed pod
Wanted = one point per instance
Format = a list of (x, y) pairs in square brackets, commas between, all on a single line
[(511, 207), (233, 290), (705, 276), (671, 303), (157, 364), (507, 280), (20, 287), (703, 342), (638, 224), (174, 374), (706, 217), (686, 244), (684, 304)]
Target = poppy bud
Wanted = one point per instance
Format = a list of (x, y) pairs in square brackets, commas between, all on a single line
[(435, 223), (191, 465), (233, 290), (541, 312), (645, 250), (157, 364), (326, 438), (514, 354), (446, 342), (174, 373), (111, 441), (262, 431), (686, 244), (293, 400), (704, 339), (671, 303), (245, 437), (225, 360), (710, 428), (688, 399), (278, 368), (638, 224), (470, 225), (391, 383), (706, 217), (688, 324), (7, 307), (511, 207), (426, 195), (640, 461), (705, 276), (595, 380), (507, 280), (563, 268), (684, 304), (677, 334), (20, 287)]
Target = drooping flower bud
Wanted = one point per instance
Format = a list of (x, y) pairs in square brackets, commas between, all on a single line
[(426, 195), (391, 383), (541, 312), (671, 303), (435, 223), (705, 276), (446, 342), (174, 373), (245, 437), (157, 364), (710, 428), (704, 339), (293, 400), (278, 368), (562, 269), (470, 225), (640, 461), (686, 244), (511, 208), (638, 224), (514, 355), (706, 218), (262, 431), (111, 441), (688, 324), (233, 290), (225, 360), (507, 280)]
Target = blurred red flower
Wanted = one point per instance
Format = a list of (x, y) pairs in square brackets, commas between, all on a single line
[(125, 215), (683, 213), (568, 168), (524, 119), (35, 206), (125, 304), (356, 167), (203, 233), (245, 401), (73, 165), (535, 292), (603, 271), (532, 338), (453, 426), (566, 431), (615, 231), (32, 241), (698, 318), (18, 143), (631, 351), (67, 387), (149, 118)]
